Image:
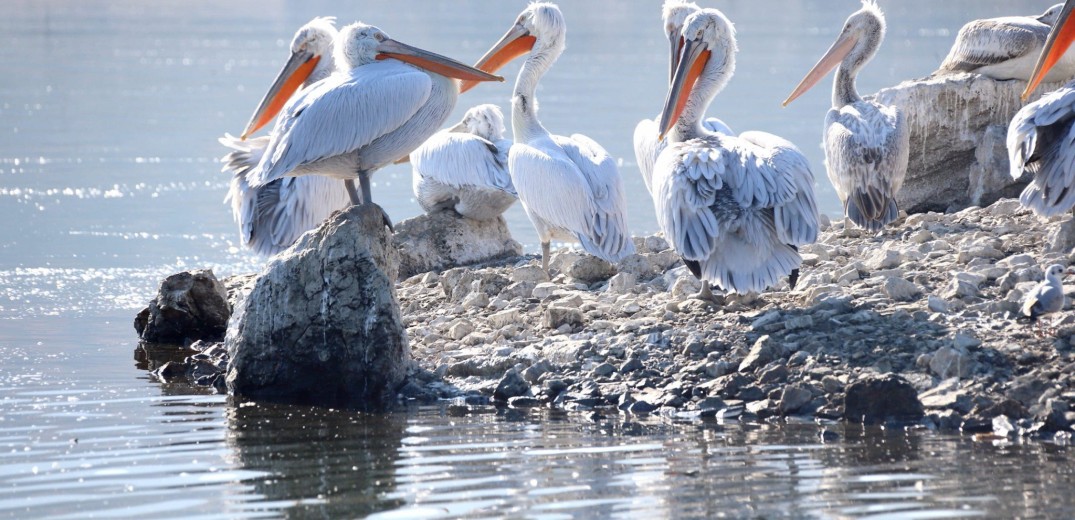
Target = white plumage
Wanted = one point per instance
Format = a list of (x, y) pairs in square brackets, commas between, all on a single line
[(1041, 142), (1047, 297), (734, 207), (568, 186), (465, 168)]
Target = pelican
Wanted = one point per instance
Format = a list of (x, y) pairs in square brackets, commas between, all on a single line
[(386, 100), (1005, 48), (272, 217), (465, 167), (735, 208), (568, 186), (647, 146), (867, 144), (1041, 136)]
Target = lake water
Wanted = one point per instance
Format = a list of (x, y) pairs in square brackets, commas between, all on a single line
[(109, 180)]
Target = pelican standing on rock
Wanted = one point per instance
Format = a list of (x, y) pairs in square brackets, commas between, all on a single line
[(465, 167), (1005, 48), (867, 144), (274, 216), (1041, 135), (647, 146), (568, 186), (735, 208), (387, 99)]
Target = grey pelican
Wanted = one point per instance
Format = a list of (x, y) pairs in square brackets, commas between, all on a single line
[(568, 186), (272, 217), (1005, 48), (866, 143), (465, 167), (1041, 135), (385, 101), (647, 146), (735, 208)]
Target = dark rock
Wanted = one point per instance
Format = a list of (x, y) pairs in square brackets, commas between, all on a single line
[(776, 374), (438, 241), (556, 316), (604, 370), (631, 365), (322, 325), (1052, 415), (172, 371), (764, 350), (875, 399), (189, 306), (522, 401), (640, 407), (793, 398), (750, 393)]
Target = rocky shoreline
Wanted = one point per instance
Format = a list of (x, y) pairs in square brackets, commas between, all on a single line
[(916, 324)]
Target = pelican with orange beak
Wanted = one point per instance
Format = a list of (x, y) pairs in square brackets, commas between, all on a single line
[(867, 144), (387, 98), (735, 208), (1041, 135), (1005, 48), (568, 186)]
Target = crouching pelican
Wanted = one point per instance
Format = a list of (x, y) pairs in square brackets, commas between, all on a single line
[(274, 216), (647, 146), (386, 100), (735, 208), (568, 186), (465, 167), (867, 144), (1041, 135)]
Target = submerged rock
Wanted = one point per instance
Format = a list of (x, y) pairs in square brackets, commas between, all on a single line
[(189, 306), (443, 240), (322, 324), (876, 399)]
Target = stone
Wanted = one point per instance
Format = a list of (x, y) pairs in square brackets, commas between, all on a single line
[(948, 395), (622, 283), (793, 398), (951, 362), (631, 365), (556, 316), (1061, 239), (761, 353), (189, 306), (511, 385), (444, 239), (604, 370), (937, 304), (529, 273), (460, 330), (518, 291), (504, 318), (544, 290), (581, 266), (965, 340), (901, 290), (878, 398), (322, 325)]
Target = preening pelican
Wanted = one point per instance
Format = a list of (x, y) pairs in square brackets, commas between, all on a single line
[(272, 217), (1041, 136), (387, 99), (734, 207), (1005, 48), (866, 143), (465, 167), (568, 186), (647, 146)]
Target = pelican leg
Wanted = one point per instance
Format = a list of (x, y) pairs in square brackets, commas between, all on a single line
[(356, 199), (705, 293), (364, 181), (545, 257)]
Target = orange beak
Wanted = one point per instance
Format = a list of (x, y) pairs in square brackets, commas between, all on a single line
[(516, 42), (298, 67), (1060, 38), (693, 59), (432, 62), (839, 50)]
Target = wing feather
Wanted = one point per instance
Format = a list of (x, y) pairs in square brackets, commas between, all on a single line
[(1041, 141), (462, 160), (981, 43)]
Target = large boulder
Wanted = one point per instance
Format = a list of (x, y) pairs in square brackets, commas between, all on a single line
[(189, 306), (958, 126), (322, 324), (442, 240)]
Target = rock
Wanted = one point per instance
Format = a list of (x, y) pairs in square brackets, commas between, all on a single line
[(544, 290), (631, 365), (937, 304), (958, 125), (518, 291), (874, 399), (763, 351), (460, 330), (951, 362), (511, 385), (622, 283), (963, 341), (799, 322), (442, 240), (189, 306), (529, 273), (901, 290), (504, 318), (556, 316), (322, 325), (1062, 238), (581, 266), (793, 397), (948, 395), (604, 370)]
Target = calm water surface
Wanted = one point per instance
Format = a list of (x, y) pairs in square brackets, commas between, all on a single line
[(109, 181)]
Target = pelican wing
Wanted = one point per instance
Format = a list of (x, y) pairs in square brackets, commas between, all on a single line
[(796, 217), (341, 114), (461, 160), (1043, 299), (988, 42), (866, 150), (1041, 140), (648, 147)]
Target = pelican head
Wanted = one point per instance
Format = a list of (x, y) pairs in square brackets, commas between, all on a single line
[(485, 121), (311, 43), (540, 28), (674, 13), (705, 63), (1060, 38), (856, 44), (1050, 15)]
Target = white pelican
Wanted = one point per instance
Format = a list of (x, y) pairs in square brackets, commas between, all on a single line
[(568, 186), (1005, 48), (866, 143), (734, 207), (272, 217), (385, 101), (465, 167), (1041, 136), (647, 146)]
